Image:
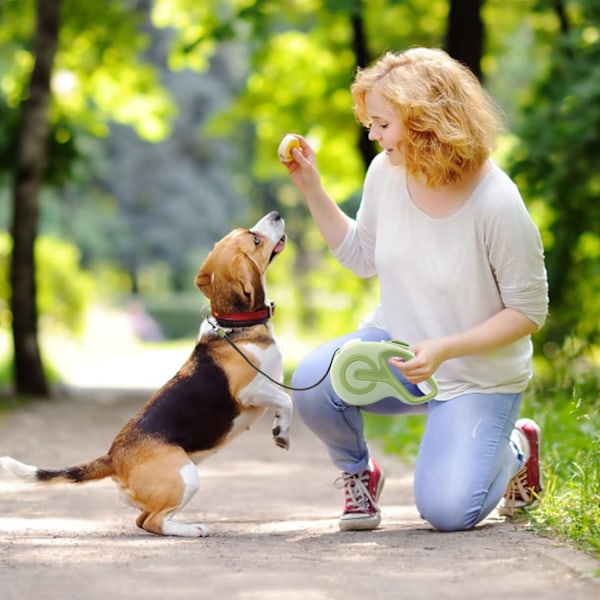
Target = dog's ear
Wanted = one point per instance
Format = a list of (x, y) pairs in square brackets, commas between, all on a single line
[(204, 278), (231, 283), (215, 261), (246, 274)]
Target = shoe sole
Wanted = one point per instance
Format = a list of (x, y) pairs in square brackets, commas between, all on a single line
[(361, 523)]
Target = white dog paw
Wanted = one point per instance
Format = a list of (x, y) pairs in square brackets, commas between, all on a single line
[(185, 529)]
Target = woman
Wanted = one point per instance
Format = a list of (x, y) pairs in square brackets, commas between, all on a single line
[(462, 279)]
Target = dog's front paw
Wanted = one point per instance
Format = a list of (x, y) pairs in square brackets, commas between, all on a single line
[(283, 441)]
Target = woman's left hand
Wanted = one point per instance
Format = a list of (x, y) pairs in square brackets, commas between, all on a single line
[(429, 355)]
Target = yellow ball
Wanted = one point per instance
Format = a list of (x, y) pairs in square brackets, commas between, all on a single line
[(284, 152)]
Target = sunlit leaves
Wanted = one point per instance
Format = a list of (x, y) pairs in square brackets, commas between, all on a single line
[(195, 24), (100, 70), (300, 63), (12, 80)]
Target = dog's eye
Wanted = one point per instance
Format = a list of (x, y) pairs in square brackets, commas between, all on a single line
[(256, 238)]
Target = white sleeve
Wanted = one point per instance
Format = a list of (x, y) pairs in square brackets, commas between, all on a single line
[(357, 250), (516, 254)]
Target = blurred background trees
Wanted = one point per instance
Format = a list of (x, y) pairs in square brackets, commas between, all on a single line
[(164, 117)]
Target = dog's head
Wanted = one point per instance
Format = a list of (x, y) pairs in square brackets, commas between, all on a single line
[(232, 276)]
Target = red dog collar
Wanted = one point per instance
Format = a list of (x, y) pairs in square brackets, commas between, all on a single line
[(245, 319)]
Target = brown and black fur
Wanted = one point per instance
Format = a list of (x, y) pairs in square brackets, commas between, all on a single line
[(213, 397)]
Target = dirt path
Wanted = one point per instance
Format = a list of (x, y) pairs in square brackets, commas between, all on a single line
[(272, 515)]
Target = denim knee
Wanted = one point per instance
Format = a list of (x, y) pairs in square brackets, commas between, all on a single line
[(448, 512)]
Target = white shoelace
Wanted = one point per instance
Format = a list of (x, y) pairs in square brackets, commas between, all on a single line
[(356, 490), (518, 494)]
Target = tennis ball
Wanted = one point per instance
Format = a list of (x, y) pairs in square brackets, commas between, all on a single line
[(284, 152)]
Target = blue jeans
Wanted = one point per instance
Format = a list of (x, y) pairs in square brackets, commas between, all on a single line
[(465, 458)]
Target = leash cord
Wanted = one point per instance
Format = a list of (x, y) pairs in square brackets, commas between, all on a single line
[(283, 385), (223, 334)]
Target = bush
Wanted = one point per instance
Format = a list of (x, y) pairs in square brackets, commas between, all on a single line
[(178, 315), (567, 408), (64, 289)]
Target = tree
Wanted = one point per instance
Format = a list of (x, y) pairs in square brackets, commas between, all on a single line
[(98, 59), (465, 33), (30, 161)]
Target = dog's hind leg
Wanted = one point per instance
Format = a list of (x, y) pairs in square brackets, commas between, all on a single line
[(161, 487)]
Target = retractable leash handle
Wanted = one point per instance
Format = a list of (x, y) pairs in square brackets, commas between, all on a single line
[(361, 374)]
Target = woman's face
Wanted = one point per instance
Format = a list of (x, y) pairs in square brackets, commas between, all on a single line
[(386, 128)]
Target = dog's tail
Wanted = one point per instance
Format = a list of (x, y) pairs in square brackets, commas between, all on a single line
[(99, 468)]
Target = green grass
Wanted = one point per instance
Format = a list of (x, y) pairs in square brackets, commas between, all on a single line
[(567, 408), (566, 405)]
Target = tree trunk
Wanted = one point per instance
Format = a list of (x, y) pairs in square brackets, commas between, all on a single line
[(32, 139), (464, 37), (366, 147)]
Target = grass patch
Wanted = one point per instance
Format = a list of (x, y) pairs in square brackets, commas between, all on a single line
[(567, 408)]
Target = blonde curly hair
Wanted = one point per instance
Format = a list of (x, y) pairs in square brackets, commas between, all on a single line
[(450, 121)]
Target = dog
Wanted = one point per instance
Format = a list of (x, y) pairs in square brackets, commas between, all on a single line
[(215, 395)]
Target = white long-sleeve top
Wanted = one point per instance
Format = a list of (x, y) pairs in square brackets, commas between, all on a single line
[(441, 276)]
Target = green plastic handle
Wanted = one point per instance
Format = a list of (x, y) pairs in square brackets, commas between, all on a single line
[(361, 374)]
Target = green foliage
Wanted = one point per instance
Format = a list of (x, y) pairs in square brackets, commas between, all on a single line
[(101, 74), (300, 58), (558, 163), (571, 505), (398, 435), (61, 150), (64, 289), (301, 62), (567, 408), (324, 302), (178, 315)]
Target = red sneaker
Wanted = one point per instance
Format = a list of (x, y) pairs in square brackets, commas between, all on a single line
[(361, 493), (526, 487)]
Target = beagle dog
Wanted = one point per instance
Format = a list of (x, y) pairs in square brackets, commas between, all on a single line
[(215, 395)]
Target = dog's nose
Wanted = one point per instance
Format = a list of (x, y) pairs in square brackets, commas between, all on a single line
[(274, 216)]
